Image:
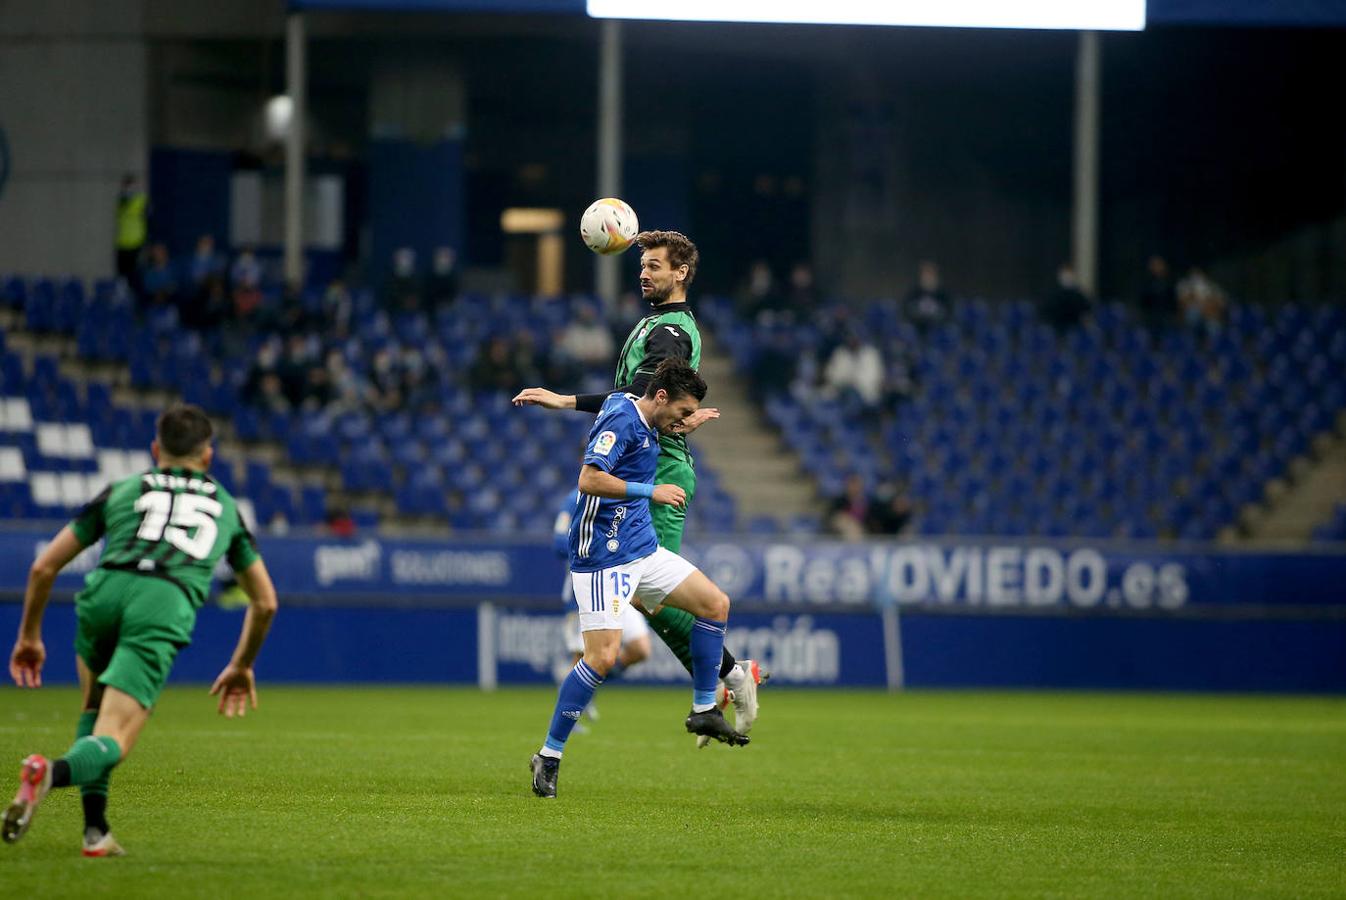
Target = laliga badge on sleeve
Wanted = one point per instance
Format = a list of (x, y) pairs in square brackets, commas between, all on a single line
[(606, 440)]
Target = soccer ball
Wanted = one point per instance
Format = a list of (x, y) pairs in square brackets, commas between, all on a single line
[(609, 226)]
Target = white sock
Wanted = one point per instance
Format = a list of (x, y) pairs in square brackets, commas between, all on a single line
[(734, 680), (547, 751), (698, 707)]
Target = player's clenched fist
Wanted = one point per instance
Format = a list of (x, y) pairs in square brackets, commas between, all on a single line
[(669, 495)]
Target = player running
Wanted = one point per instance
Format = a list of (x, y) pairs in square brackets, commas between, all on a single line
[(616, 560), (164, 532), (667, 266)]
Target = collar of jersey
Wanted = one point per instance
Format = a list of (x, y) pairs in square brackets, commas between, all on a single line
[(632, 398), (681, 306)]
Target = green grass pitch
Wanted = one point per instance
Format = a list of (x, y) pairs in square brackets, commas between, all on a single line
[(368, 792)]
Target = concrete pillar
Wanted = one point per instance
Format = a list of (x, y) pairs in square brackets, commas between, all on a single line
[(296, 88), (1084, 218), (607, 271)]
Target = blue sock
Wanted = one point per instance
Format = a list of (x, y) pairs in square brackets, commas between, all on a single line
[(576, 692), (707, 647)]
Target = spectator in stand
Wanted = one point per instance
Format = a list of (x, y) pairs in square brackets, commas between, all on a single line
[(403, 293), (802, 298), (1158, 301), (530, 363), (900, 371), (891, 511), (132, 205), (350, 392), (271, 394), (419, 378), (494, 369), (318, 392), (385, 381), (265, 362), (927, 303), (849, 515), (205, 264), (1066, 306), (759, 293), (441, 288), (337, 306), (159, 281), (855, 371), (245, 277), (204, 300), (215, 307), (338, 520), (586, 340), (300, 356), (1202, 301)]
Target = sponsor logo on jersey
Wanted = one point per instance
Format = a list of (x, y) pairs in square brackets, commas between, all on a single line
[(617, 518), (605, 442)]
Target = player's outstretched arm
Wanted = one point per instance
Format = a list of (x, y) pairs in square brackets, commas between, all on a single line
[(25, 662), (236, 686), (544, 398), (597, 483)]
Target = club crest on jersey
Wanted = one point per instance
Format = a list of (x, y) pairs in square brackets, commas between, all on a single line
[(612, 546), (605, 442)]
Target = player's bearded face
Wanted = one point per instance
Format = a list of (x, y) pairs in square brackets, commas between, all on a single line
[(657, 279)]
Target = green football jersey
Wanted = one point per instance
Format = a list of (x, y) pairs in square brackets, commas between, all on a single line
[(668, 331), (170, 524)]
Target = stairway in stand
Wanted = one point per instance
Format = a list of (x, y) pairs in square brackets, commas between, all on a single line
[(754, 463)]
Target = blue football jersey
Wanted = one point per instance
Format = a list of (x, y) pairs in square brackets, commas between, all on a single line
[(605, 533)]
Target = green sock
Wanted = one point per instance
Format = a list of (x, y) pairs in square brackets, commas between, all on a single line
[(674, 627), (93, 796), (91, 759)]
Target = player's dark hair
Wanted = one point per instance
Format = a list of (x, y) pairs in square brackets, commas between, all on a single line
[(184, 429), (678, 379), (681, 251)]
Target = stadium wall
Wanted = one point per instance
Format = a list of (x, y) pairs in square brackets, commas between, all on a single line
[(73, 108), (892, 614)]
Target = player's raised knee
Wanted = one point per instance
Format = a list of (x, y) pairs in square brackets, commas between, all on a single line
[(718, 605)]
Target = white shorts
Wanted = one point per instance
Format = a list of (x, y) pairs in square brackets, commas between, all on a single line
[(633, 628), (604, 595)]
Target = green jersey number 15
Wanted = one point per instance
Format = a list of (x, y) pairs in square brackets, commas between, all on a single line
[(171, 517)]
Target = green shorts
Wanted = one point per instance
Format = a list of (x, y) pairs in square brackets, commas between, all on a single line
[(129, 630), (669, 521)]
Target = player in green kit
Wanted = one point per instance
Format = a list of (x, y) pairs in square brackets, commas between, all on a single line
[(163, 533), (668, 263)]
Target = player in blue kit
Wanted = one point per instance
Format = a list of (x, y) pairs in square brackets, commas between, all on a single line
[(616, 560)]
